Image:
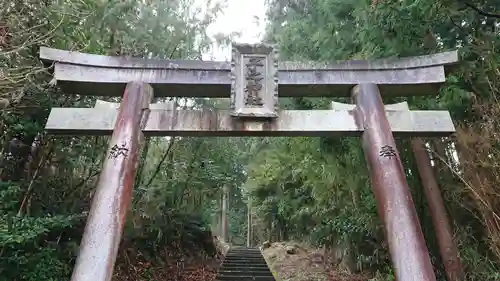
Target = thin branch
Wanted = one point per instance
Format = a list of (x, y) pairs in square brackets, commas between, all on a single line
[(28, 193), (142, 161), (85, 180), (481, 12), (190, 171), (35, 41), (158, 167), (457, 26), (462, 179)]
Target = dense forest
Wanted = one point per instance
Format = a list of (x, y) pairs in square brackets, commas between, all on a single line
[(314, 191)]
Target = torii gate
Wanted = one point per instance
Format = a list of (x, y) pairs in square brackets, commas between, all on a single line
[(253, 80)]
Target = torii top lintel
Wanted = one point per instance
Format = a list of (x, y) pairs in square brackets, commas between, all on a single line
[(90, 74)]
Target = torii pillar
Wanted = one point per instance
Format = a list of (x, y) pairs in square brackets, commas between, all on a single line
[(111, 200), (407, 247), (448, 250)]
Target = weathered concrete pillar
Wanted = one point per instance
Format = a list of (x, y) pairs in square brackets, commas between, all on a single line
[(407, 248), (444, 234), (104, 228)]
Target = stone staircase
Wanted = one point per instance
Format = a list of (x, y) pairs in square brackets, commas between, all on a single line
[(244, 264)]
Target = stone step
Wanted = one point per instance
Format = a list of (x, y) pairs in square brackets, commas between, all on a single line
[(233, 255), (256, 255), (241, 267), (243, 264), (244, 273), (245, 260), (244, 253), (247, 250), (245, 278), (239, 257)]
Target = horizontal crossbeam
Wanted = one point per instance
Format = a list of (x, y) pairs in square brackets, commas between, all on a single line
[(339, 106), (100, 121), (115, 105), (89, 74)]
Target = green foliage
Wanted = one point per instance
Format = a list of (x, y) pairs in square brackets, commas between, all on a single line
[(28, 249), (183, 233)]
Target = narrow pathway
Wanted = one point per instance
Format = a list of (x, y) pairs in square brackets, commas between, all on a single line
[(244, 264)]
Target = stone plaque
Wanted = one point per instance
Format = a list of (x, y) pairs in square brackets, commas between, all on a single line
[(254, 80)]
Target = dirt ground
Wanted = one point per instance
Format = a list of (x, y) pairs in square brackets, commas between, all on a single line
[(304, 265)]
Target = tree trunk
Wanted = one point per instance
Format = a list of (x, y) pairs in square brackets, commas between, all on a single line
[(225, 201), (249, 226)]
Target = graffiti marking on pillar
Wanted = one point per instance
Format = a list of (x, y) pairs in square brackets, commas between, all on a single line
[(254, 85), (387, 151), (116, 151)]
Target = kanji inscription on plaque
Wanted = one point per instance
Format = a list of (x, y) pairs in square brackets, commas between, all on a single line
[(254, 78), (254, 81)]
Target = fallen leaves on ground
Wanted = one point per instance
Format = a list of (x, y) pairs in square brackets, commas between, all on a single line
[(199, 272), (169, 269)]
